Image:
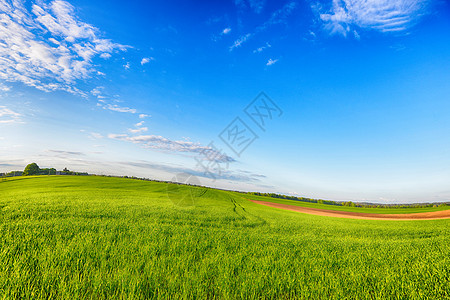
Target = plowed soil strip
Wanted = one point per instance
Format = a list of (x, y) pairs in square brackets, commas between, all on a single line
[(444, 214)]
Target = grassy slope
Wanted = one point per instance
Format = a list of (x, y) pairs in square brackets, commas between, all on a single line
[(94, 237), (347, 208)]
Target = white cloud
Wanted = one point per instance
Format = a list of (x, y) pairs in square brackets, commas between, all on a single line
[(146, 60), (143, 116), (7, 116), (226, 30), (97, 92), (117, 108), (271, 62), (237, 43), (162, 143), (4, 88), (261, 49), (64, 154), (127, 66), (105, 55), (95, 135), (139, 124), (277, 17), (138, 130), (380, 15), (45, 45)]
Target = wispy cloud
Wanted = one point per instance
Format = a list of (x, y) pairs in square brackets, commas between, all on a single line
[(143, 116), (381, 15), (261, 49), (256, 5), (240, 41), (238, 175), (4, 88), (95, 136), (162, 143), (98, 92), (271, 62), (45, 45), (109, 102), (65, 153), (138, 130), (146, 60), (7, 116), (277, 17), (226, 30), (117, 108)]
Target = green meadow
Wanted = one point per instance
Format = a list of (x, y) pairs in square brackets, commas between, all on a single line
[(94, 237), (390, 210)]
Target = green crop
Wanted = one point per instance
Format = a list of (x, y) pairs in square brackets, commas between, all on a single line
[(66, 237)]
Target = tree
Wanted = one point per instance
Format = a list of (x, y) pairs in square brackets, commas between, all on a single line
[(31, 169)]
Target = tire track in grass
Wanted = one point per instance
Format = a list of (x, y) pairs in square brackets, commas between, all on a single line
[(203, 192), (234, 204), (248, 216)]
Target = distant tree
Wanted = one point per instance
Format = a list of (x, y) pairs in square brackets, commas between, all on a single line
[(31, 169), (48, 171)]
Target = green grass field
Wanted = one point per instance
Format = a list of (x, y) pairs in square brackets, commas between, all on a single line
[(95, 237), (392, 210)]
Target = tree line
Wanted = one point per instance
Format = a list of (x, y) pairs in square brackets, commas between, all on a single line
[(33, 169)]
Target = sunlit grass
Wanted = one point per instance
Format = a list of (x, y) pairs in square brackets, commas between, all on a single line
[(373, 210), (98, 238)]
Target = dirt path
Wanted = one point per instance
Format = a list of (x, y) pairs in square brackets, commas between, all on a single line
[(444, 214)]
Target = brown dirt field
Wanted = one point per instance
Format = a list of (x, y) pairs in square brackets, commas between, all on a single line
[(444, 214)]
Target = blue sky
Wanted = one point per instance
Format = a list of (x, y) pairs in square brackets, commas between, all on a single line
[(146, 89)]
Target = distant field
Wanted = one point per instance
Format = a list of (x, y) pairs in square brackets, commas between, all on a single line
[(98, 238), (375, 210)]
